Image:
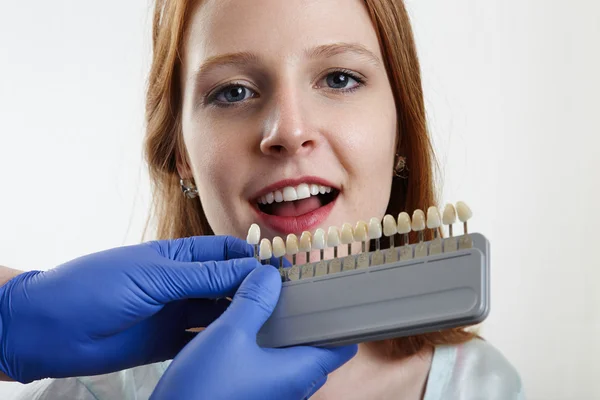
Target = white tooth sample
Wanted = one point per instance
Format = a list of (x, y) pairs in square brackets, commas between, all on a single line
[(360, 232), (333, 237), (390, 229), (278, 247), (418, 225), (463, 211), (333, 240), (291, 244), (253, 234), (262, 200), (270, 197), (389, 226), (305, 244), (418, 220), (306, 270), (322, 189), (328, 189), (404, 225), (314, 189), (289, 194), (449, 216), (347, 236), (291, 248), (361, 235), (375, 231), (278, 196), (434, 219), (464, 214), (266, 251), (302, 191), (319, 243), (318, 239)]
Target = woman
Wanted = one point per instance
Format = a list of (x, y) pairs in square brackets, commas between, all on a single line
[(246, 98)]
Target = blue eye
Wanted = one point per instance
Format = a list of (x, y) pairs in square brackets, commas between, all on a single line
[(341, 80), (233, 94)]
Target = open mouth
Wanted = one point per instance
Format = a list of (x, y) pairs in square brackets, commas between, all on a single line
[(294, 202)]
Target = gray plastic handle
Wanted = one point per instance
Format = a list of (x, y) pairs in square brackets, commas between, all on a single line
[(385, 301)]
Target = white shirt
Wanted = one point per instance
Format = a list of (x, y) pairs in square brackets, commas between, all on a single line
[(471, 371)]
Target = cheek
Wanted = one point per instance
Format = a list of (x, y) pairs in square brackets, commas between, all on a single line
[(211, 151)]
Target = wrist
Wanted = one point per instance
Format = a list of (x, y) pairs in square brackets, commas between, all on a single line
[(6, 274)]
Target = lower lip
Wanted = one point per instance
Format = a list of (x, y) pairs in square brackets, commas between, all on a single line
[(299, 224)]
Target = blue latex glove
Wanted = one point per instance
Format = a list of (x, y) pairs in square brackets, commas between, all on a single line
[(118, 308), (224, 361)]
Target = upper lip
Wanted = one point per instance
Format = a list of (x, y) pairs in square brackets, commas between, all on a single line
[(293, 182)]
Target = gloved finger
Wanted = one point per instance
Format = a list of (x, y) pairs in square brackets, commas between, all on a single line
[(211, 279), (202, 312), (274, 261), (256, 299), (203, 248), (318, 384), (314, 362)]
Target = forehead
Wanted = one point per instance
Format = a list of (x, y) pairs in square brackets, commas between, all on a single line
[(276, 29)]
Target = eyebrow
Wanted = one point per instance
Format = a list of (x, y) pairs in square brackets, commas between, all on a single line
[(247, 58), (334, 49)]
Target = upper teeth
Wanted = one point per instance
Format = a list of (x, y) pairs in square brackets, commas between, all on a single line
[(290, 193)]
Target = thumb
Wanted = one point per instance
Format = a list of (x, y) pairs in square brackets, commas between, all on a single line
[(211, 279), (256, 299)]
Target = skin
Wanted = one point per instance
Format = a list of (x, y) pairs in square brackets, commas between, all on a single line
[(286, 122)]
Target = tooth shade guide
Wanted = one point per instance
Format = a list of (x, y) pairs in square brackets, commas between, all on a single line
[(421, 250), (435, 247), (465, 242), (450, 245), (377, 258), (293, 273)]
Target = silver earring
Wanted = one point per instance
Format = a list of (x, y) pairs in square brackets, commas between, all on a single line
[(189, 190), (400, 169)]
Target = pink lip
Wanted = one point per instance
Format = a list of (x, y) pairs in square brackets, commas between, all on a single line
[(298, 224), (292, 182)]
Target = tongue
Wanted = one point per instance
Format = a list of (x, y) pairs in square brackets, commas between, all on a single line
[(295, 208)]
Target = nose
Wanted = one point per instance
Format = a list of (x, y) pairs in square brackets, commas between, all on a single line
[(288, 130)]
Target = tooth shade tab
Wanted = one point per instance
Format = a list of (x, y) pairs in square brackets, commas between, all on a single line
[(305, 241), (333, 236), (404, 224), (253, 234), (374, 228), (360, 232), (347, 234), (266, 252), (434, 219), (463, 211), (318, 239), (418, 220), (389, 226), (449, 216), (291, 244), (278, 247)]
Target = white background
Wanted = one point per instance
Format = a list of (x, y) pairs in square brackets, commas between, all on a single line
[(513, 96)]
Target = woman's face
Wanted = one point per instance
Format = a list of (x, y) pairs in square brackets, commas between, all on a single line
[(283, 100)]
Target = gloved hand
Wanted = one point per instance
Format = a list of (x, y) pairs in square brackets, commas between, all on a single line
[(118, 308), (224, 361)]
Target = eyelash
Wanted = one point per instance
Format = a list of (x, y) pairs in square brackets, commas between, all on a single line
[(211, 98)]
